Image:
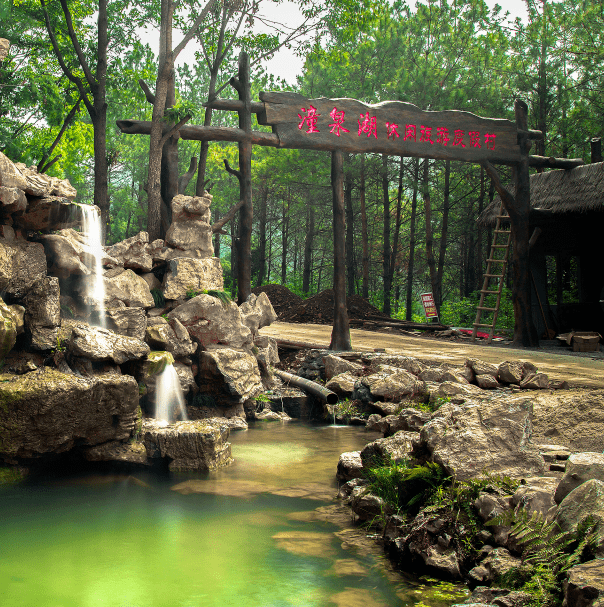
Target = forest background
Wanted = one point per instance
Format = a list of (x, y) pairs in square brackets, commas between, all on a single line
[(74, 69)]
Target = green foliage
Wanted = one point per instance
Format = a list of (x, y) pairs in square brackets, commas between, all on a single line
[(262, 398), (547, 555), (405, 486), (348, 408), (462, 313), (191, 293), (432, 405), (158, 298)]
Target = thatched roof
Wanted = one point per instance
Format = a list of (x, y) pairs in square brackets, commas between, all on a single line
[(578, 190)]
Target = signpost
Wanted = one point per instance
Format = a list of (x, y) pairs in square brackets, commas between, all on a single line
[(429, 306)]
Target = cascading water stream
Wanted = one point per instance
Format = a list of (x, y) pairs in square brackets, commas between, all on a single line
[(169, 399), (91, 228)]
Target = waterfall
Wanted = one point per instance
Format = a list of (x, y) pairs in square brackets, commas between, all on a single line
[(91, 229), (169, 399)]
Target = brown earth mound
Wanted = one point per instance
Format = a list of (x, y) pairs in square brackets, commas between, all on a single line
[(318, 309), (282, 299)]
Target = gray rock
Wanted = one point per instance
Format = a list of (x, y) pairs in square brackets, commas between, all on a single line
[(10, 175), (498, 562), (9, 327), (47, 214), (510, 372), (209, 321), (131, 322), (490, 506), (186, 274), (257, 312), (486, 381), (229, 375), (479, 367), (396, 448), (408, 363), (585, 585), (350, 466), (64, 259), (433, 374), (47, 411), (580, 467), (454, 377), (192, 445), (373, 422), (43, 313), (190, 228), (342, 384), (536, 496), (103, 345), (369, 507), (535, 381), (268, 352), (13, 200), (493, 436), (392, 384), (587, 499), (129, 288), (118, 453), (412, 420), (170, 337), (22, 265), (334, 365), (452, 390)]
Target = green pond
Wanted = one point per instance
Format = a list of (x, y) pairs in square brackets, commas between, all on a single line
[(263, 532)]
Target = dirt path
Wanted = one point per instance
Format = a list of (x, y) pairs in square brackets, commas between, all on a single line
[(578, 372)]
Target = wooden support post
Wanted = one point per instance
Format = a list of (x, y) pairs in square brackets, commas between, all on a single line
[(596, 149), (524, 328), (340, 333), (246, 214)]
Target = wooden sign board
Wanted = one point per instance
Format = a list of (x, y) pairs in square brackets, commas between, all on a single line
[(429, 305), (392, 127)]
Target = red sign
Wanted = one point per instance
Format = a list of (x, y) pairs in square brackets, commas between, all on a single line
[(429, 305)]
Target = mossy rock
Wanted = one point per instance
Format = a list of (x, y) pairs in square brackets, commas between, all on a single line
[(159, 361)]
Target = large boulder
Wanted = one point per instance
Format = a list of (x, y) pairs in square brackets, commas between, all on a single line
[(408, 363), (10, 175), (493, 436), (185, 275), (580, 467), (396, 448), (102, 345), (40, 184), (47, 411), (350, 466), (22, 265), (257, 312), (131, 322), (12, 200), (586, 500), (342, 384), (230, 376), (211, 321), (585, 585), (47, 214), (190, 445), (334, 365), (169, 336), (43, 313), (190, 230), (392, 384), (537, 495), (133, 252), (11, 324), (128, 288)]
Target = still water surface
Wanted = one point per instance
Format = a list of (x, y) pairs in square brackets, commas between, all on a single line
[(247, 536)]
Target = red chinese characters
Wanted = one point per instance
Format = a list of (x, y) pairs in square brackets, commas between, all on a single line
[(368, 125), (310, 119), (489, 141), (442, 135), (338, 119), (410, 132), (392, 130), (458, 140), (474, 139), (425, 134)]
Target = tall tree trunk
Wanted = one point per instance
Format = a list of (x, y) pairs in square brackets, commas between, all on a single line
[(429, 233), (349, 231), (308, 246), (364, 233), (284, 241), (217, 237), (234, 256), (438, 296), (410, 266), (340, 334), (386, 235), (262, 234), (397, 230)]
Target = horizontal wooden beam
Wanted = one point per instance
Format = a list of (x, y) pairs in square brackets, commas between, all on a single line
[(233, 105), (543, 162), (531, 134), (202, 133)]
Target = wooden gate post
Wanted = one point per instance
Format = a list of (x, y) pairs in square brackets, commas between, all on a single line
[(340, 334), (524, 328), (246, 215)]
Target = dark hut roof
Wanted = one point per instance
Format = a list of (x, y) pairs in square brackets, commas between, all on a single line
[(578, 190)]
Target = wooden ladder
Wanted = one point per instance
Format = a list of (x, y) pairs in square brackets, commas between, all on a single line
[(496, 267)]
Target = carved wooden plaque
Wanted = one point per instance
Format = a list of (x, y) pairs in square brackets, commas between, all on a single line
[(392, 127)]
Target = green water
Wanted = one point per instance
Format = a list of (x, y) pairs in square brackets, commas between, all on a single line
[(247, 535)]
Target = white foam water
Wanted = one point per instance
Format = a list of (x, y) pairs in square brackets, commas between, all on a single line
[(169, 399), (91, 228)]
